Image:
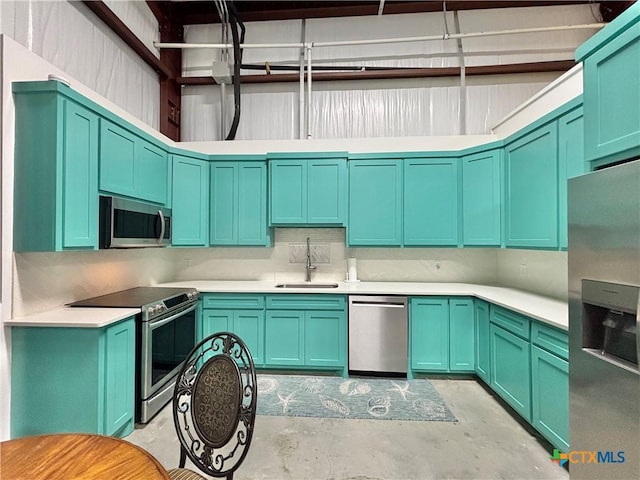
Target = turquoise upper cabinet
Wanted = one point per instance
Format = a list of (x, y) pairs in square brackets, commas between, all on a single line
[(56, 176), (309, 191), (482, 198), (611, 92), (239, 203), (131, 166), (190, 203), (531, 189), (571, 162), (375, 202), (430, 201)]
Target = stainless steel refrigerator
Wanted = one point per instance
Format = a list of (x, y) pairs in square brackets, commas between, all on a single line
[(604, 326)]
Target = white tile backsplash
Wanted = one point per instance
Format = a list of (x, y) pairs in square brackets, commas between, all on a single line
[(537, 271)]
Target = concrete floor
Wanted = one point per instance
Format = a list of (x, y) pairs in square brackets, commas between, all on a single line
[(486, 443)]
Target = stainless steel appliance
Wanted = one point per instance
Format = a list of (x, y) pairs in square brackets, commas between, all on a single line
[(165, 334), (378, 333), (128, 223), (604, 286)]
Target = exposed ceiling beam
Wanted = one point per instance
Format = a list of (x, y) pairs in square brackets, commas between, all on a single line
[(398, 73), (195, 12), (104, 13)]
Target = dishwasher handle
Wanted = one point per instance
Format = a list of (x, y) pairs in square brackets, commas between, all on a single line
[(357, 303)]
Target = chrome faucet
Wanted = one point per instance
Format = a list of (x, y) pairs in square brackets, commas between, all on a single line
[(309, 266)]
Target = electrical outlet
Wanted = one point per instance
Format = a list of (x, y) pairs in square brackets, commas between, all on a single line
[(523, 269), (438, 266), (187, 262)]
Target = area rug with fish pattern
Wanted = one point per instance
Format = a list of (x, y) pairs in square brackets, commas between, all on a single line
[(337, 397)]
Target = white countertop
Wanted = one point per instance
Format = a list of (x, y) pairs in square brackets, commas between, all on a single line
[(78, 317), (548, 310)]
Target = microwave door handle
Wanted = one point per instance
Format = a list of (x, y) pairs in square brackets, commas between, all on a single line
[(162, 226)]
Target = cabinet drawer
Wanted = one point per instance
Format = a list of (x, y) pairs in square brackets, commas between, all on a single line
[(306, 302), (511, 321), (220, 300), (551, 339)]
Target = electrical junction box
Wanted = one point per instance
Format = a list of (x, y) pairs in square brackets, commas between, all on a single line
[(222, 72)]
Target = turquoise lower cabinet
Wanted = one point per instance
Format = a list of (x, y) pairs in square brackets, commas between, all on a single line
[(325, 339), (247, 324), (462, 335), (429, 334), (430, 214), (375, 202), (511, 369), (284, 338), (238, 203), (531, 189), (550, 396), (242, 314), (483, 352), (88, 388), (190, 203), (56, 176), (482, 198)]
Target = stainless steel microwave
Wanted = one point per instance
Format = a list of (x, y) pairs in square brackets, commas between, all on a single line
[(133, 224)]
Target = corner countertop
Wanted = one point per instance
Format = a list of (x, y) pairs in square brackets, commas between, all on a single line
[(544, 309), (75, 317)]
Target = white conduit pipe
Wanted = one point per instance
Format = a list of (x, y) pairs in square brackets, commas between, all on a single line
[(385, 40)]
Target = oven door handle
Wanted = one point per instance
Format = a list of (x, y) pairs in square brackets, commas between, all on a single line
[(160, 323)]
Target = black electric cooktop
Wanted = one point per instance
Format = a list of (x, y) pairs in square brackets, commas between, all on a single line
[(134, 297)]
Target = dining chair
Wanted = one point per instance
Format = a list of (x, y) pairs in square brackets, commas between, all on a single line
[(214, 407)]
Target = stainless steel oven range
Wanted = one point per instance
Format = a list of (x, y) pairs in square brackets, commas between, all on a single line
[(165, 334)]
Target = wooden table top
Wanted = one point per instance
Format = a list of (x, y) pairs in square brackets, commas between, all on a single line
[(76, 456)]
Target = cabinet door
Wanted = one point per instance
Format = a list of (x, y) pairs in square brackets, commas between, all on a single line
[(532, 189), (284, 338), (511, 370), (224, 203), (80, 178), (288, 189), (190, 201), (550, 392), (119, 377), (571, 162), (325, 342), (461, 335), (429, 326), (481, 198), (375, 202), (249, 326), (117, 159), (214, 321), (252, 204), (483, 356), (431, 202), (327, 191), (612, 99), (151, 172)]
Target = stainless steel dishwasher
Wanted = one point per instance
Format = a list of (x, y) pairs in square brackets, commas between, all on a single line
[(378, 333)]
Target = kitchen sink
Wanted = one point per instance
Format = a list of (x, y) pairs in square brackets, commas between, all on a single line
[(307, 285)]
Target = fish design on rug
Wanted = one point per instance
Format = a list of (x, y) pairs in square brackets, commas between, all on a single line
[(401, 389), (285, 401), (379, 406), (354, 387), (335, 405)]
